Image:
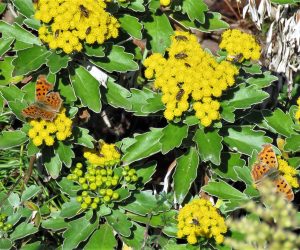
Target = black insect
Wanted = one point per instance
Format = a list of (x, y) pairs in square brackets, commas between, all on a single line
[(195, 222), (84, 11), (118, 150), (179, 94), (181, 38), (181, 55)]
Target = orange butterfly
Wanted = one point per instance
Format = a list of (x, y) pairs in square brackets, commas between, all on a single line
[(268, 167), (47, 103)]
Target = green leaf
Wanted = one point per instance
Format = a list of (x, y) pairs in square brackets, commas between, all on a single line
[(281, 122), (82, 137), (172, 137), (70, 209), (224, 191), (116, 95), (253, 69), (292, 143), (56, 62), (2, 7), (116, 60), (102, 239), (209, 145), (69, 187), (144, 146), (79, 230), (6, 69), (86, 87), (5, 44), (119, 222), (212, 22), (65, 153), (30, 59), (195, 9), (30, 192), (32, 23), (11, 93), (145, 171), (17, 32), (227, 112), (25, 7), (283, 1), (23, 230), (5, 244), (243, 174), (94, 50), (9, 139), (66, 90), (159, 31), (144, 202), (136, 239), (185, 173), (244, 139), (54, 224), (136, 5), (262, 81), (245, 97), (131, 25), (52, 163), (16, 107), (228, 162)]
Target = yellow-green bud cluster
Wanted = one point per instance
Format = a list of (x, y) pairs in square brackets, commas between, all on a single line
[(289, 173), (108, 155), (4, 227), (67, 24), (297, 115), (129, 174), (240, 45), (46, 131), (190, 73), (200, 218)]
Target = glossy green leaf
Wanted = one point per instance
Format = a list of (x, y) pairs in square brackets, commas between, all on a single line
[(54, 224), (195, 9), (144, 202), (11, 93), (245, 97), (292, 143), (69, 187), (23, 230), (5, 244), (82, 137), (86, 87), (209, 145), (244, 174), (30, 192), (52, 163), (144, 146), (185, 173), (5, 44), (145, 171), (66, 90), (119, 222), (25, 62), (131, 25), (137, 5), (65, 153), (102, 239), (135, 241), (244, 139), (228, 162), (94, 50), (6, 70), (172, 137), (262, 81), (17, 32), (70, 209), (281, 122), (32, 23), (159, 31), (2, 7), (16, 107), (227, 112), (25, 7), (9, 139), (116, 60), (253, 69), (223, 191), (56, 62), (79, 230)]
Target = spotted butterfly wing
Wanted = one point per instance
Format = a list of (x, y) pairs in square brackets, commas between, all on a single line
[(268, 156), (282, 186)]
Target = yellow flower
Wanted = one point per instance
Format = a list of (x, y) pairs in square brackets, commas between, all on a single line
[(165, 2), (188, 73), (289, 173), (200, 219)]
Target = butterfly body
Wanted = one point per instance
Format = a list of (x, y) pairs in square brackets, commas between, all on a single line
[(47, 103), (267, 167)]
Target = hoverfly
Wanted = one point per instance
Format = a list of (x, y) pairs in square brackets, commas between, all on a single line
[(84, 11), (181, 55), (179, 94), (88, 30), (181, 38)]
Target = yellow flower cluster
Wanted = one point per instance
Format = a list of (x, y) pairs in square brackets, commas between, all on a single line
[(108, 155), (69, 23), (165, 2), (60, 128), (188, 72), (240, 45), (200, 218), (289, 173), (297, 115)]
